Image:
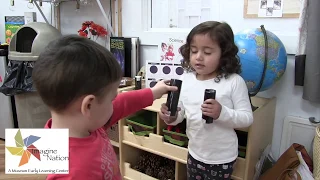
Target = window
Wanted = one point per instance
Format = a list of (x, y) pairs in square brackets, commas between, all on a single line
[(163, 19), (179, 13)]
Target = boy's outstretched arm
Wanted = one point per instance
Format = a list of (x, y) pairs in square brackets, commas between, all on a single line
[(127, 103), (130, 102)]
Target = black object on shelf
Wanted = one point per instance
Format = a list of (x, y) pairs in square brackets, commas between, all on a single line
[(137, 82), (126, 51), (173, 97), (209, 94), (4, 50)]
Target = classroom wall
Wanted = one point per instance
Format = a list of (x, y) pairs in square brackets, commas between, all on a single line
[(289, 101), (72, 19)]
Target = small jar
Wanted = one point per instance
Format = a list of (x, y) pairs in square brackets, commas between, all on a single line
[(137, 82)]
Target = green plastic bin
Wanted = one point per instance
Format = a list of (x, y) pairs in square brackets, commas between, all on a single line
[(242, 151), (176, 138), (143, 123)]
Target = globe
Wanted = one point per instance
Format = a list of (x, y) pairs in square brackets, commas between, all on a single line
[(252, 54)]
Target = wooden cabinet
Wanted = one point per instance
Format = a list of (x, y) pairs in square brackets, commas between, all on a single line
[(258, 136)]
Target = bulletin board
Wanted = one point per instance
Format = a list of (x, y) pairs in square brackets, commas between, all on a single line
[(290, 8)]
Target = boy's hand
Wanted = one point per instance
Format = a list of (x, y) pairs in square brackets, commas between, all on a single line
[(211, 108), (162, 88), (164, 114)]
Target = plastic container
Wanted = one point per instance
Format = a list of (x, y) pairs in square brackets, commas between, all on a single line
[(242, 151), (175, 138), (143, 123)]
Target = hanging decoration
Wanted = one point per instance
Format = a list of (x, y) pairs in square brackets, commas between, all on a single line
[(92, 30)]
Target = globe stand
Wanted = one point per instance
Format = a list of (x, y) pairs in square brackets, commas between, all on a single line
[(264, 67), (252, 106)]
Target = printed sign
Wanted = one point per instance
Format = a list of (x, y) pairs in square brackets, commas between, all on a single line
[(167, 65)]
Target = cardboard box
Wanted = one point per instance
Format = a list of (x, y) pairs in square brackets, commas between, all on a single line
[(12, 24), (30, 17)]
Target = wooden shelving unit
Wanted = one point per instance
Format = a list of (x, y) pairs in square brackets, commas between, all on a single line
[(259, 135)]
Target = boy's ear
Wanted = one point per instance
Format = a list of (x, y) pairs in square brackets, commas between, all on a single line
[(86, 105)]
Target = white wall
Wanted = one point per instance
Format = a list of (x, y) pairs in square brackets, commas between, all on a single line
[(289, 101), (72, 19)]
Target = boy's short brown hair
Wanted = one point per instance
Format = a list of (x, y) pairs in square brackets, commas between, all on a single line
[(71, 67)]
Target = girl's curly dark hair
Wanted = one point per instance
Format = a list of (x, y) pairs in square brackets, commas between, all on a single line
[(223, 35)]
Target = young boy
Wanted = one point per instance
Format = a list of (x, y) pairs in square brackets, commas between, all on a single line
[(78, 80)]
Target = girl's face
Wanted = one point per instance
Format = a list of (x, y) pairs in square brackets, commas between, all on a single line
[(164, 47), (205, 55)]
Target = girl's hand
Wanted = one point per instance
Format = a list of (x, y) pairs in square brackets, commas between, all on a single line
[(211, 108), (164, 114)]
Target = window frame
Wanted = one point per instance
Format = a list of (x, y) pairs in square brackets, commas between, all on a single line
[(152, 36)]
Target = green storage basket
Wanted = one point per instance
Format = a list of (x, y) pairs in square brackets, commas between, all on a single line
[(175, 138), (242, 151), (143, 123)]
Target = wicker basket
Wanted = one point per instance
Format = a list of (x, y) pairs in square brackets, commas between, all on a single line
[(113, 132), (316, 154)]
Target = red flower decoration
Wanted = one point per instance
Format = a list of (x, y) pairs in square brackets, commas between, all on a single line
[(83, 34), (90, 30)]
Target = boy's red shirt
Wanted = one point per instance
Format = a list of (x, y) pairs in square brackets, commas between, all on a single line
[(93, 157)]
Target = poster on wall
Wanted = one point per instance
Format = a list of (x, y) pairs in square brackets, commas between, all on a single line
[(117, 48), (167, 64), (12, 24), (270, 8)]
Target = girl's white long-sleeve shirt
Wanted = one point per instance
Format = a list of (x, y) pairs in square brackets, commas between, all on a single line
[(215, 143)]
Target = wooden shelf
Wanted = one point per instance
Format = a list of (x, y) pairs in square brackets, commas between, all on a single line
[(115, 144), (259, 136), (124, 89), (156, 105), (130, 173), (239, 168), (155, 144)]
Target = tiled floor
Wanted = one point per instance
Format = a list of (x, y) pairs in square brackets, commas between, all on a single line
[(13, 177)]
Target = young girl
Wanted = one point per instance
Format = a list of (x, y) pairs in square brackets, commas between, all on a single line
[(211, 62)]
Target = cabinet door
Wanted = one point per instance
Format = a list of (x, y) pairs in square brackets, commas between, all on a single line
[(297, 130)]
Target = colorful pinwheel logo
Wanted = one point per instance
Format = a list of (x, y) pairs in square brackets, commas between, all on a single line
[(24, 148)]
